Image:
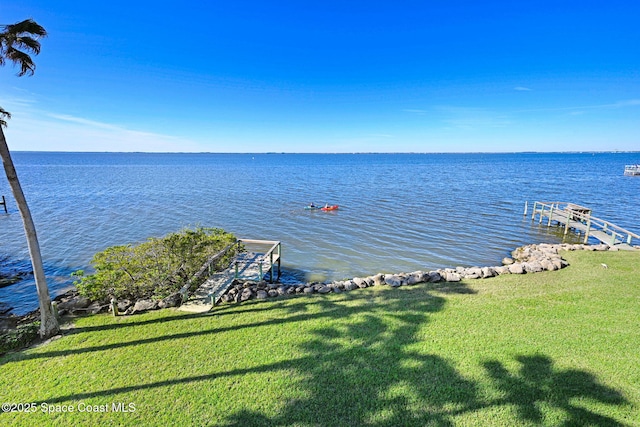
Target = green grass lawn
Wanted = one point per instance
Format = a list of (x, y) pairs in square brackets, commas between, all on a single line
[(553, 348)]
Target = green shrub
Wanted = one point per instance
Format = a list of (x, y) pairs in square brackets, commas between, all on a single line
[(20, 337), (155, 268)]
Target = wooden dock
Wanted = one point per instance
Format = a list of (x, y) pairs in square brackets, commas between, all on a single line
[(632, 170), (249, 263), (580, 218)]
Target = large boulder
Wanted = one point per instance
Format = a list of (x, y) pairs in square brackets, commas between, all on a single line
[(473, 273), (349, 285), (75, 303), (393, 280), (452, 276), (516, 268), (435, 277), (488, 272), (532, 266), (144, 305), (246, 294), (123, 305), (360, 282), (416, 277), (378, 279), (95, 308), (173, 300), (503, 269)]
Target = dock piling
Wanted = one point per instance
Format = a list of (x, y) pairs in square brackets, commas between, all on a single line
[(579, 218)]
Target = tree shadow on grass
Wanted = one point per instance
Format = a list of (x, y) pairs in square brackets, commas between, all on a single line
[(368, 372), (537, 382), (362, 366)]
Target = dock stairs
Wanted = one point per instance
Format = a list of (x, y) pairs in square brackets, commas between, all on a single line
[(248, 263)]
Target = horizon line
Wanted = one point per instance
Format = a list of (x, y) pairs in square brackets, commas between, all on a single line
[(332, 153)]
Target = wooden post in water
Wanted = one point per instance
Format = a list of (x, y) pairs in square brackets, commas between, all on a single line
[(526, 206), (566, 226), (271, 267), (550, 215), (586, 234), (4, 203)]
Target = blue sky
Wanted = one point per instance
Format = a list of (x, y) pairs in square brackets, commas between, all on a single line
[(347, 76)]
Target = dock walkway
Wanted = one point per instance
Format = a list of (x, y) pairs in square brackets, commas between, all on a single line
[(580, 218), (246, 265)]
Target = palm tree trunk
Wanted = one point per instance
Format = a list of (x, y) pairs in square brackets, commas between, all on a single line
[(48, 323)]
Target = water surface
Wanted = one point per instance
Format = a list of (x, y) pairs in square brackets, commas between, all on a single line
[(398, 212)]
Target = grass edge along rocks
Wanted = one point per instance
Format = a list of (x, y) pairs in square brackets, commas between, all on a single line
[(531, 258)]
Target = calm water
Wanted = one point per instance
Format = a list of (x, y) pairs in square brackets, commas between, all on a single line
[(398, 212)]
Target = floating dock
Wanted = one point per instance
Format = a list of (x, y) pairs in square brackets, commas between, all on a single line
[(247, 264), (632, 170), (580, 218)]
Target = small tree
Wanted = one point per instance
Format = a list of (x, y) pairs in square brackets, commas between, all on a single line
[(155, 268), (17, 41)]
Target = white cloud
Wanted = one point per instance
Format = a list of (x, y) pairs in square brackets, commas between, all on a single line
[(381, 135), (627, 103), (619, 104), (415, 111), (472, 118), (521, 88), (34, 130)]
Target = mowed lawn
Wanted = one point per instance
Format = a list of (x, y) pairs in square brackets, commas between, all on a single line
[(554, 349)]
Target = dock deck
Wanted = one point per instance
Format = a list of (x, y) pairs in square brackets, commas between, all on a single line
[(632, 170), (246, 265), (579, 218)]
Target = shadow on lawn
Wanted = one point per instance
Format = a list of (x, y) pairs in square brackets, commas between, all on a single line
[(366, 369), (366, 373)]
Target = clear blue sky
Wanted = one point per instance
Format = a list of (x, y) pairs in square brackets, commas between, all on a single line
[(328, 76)]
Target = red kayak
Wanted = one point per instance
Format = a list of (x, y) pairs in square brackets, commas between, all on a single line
[(329, 208)]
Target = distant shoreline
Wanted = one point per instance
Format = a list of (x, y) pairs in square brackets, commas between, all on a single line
[(331, 153)]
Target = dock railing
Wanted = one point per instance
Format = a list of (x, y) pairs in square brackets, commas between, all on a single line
[(580, 217), (207, 267), (265, 263), (243, 268)]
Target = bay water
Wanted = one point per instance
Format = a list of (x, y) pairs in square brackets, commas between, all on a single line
[(398, 212)]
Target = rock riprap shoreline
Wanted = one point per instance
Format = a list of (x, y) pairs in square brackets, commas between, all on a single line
[(525, 259)]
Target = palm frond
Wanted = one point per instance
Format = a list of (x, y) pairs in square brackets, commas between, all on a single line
[(17, 41), (28, 26), (27, 66), (27, 43), (4, 116)]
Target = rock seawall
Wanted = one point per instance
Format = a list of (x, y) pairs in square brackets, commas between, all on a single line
[(524, 260)]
